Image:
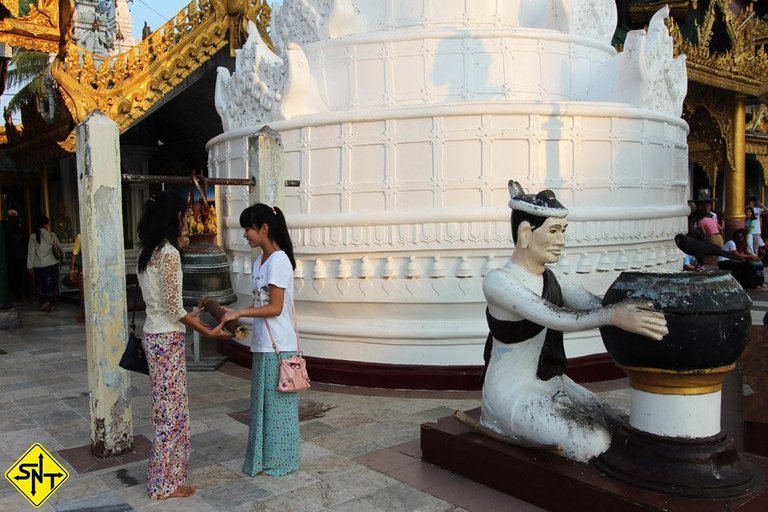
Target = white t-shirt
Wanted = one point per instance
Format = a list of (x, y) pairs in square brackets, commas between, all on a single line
[(758, 213), (729, 246), (277, 271)]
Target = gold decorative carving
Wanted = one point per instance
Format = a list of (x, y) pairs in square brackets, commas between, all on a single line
[(38, 31), (759, 121), (761, 32), (763, 161), (757, 144), (741, 69), (719, 105), (12, 6), (239, 13)]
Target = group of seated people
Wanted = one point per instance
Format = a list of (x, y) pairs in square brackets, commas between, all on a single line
[(748, 268), (745, 244)]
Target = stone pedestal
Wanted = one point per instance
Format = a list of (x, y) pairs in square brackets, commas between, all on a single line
[(555, 483)]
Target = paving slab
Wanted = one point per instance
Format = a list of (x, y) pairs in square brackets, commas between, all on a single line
[(359, 453)]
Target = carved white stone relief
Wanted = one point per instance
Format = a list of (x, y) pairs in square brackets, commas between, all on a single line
[(300, 95), (264, 87), (319, 271), (307, 21), (413, 270), (595, 19), (645, 74), (250, 96), (366, 269), (344, 271)]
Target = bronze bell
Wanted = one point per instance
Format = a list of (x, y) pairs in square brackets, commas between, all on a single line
[(205, 264), (206, 271)]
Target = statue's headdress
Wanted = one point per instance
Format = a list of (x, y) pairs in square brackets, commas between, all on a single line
[(544, 204)]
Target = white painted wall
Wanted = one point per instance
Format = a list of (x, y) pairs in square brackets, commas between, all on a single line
[(427, 113)]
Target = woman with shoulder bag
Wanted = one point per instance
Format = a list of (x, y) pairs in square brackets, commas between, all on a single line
[(273, 439), (43, 256), (160, 277)]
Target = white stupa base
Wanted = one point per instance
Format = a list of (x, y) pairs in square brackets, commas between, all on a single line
[(683, 416)]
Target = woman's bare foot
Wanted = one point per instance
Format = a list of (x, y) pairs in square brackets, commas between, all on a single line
[(182, 491)]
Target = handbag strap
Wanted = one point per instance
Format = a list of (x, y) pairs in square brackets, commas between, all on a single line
[(135, 304), (295, 328), (54, 244)]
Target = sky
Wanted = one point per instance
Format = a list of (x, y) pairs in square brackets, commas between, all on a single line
[(157, 12), (154, 12)]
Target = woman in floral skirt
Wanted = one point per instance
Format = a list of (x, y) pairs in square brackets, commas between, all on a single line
[(160, 277)]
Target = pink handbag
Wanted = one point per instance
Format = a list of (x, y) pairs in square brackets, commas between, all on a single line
[(293, 375)]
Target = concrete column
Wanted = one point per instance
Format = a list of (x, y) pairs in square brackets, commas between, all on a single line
[(735, 187), (106, 331), (265, 162)]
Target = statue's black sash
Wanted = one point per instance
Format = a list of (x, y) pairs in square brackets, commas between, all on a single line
[(552, 357)]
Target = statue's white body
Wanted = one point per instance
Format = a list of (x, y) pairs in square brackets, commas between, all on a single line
[(556, 413), (550, 411)]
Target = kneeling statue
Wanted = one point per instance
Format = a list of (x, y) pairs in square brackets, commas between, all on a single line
[(527, 399)]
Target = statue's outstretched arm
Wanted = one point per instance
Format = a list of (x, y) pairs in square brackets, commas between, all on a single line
[(504, 291)]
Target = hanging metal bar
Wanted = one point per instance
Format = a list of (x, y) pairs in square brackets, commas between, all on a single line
[(245, 182), (141, 178)]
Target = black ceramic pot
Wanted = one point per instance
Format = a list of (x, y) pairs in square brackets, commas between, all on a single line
[(707, 316), (708, 319)]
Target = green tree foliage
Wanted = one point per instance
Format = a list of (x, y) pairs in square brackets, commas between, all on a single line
[(30, 69)]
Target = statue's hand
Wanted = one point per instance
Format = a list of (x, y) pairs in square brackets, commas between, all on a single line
[(639, 317)]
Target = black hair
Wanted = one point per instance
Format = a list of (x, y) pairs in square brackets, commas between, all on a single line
[(160, 222), (739, 237), (700, 214), (545, 198), (751, 198), (259, 214), (519, 216), (740, 232), (751, 210), (40, 224)]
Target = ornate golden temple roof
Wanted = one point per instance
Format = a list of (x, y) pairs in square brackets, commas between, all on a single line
[(126, 86), (742, 68), (38, 31)]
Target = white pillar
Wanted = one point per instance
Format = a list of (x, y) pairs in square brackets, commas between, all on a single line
[(265, 159), (106, 328)]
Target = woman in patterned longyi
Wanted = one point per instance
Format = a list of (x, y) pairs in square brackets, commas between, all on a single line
[(160, 277), (273, 438), (43, 265)]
